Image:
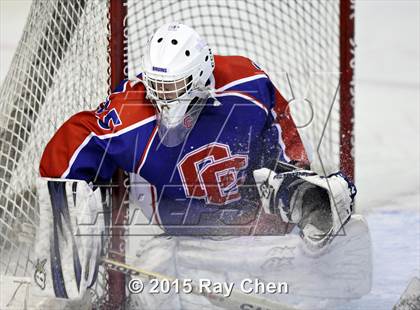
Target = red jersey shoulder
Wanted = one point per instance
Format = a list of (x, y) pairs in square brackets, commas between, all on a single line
[(231, 68), (121, 110), (124, 108)]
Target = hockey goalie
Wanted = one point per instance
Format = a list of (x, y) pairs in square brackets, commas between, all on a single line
[(233, 190)]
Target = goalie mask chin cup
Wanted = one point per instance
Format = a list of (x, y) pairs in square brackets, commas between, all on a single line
[(177, 65), (172, 134)]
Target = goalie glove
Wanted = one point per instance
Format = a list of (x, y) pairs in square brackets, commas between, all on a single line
[(320, 206)]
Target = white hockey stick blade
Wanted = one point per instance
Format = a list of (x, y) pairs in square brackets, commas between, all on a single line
[(410, 299), (236, 301)]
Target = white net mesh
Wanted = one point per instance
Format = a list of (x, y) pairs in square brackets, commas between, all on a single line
[(61, 67)]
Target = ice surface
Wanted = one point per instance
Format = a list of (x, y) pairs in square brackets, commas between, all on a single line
[(387, 103), (387, 135)]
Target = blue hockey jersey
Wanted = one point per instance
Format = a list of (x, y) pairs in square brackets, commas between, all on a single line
[(199, 182)]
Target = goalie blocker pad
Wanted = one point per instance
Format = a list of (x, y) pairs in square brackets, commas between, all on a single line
[(69, 238)]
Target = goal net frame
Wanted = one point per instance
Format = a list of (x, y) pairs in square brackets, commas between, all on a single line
[(119, 61)]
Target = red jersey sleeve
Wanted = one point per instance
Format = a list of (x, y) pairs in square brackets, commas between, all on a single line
[(92, 144)]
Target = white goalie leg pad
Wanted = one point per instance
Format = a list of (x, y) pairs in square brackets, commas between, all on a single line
[(69, 238), (342, 270)]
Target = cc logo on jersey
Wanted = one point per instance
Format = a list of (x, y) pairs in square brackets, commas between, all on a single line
[(212, 173)]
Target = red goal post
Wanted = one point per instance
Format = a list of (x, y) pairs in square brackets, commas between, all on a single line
[(119, 68), (347, 97)]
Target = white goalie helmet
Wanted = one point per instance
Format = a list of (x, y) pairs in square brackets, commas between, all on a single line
[(177, 65)]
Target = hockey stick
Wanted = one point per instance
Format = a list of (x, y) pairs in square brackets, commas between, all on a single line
[(237, 299)]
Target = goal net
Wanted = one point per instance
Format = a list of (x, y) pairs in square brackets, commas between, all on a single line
[(65, 60)]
